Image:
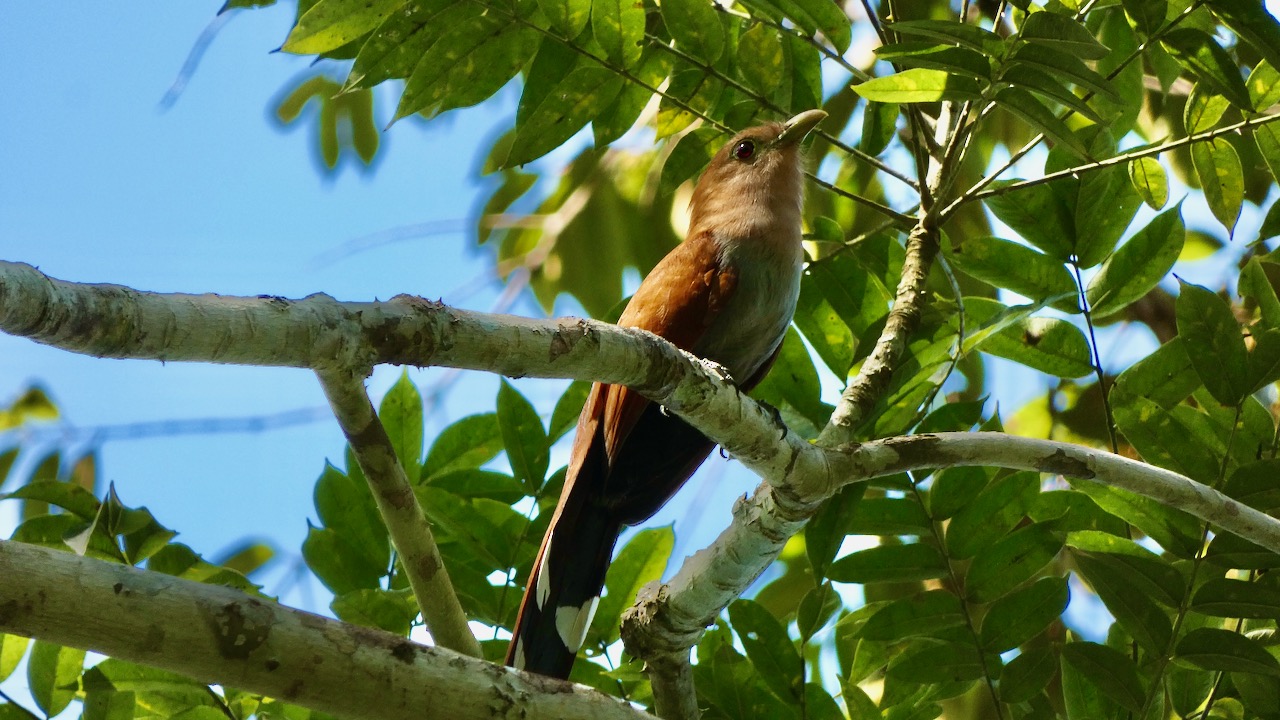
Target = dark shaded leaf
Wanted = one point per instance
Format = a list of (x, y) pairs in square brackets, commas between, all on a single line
[(1107, 669), (1200, 53), (1215, 649), (1213, 342), (889, 563), (1012, 561), (1020, 616), (1139, 265), (926, 613)]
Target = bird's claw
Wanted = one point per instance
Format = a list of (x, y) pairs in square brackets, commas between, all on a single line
[(719, 371)]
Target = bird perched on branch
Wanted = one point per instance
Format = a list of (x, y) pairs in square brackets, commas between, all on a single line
[(727, 294)]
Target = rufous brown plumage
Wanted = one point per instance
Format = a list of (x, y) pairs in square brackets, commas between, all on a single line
[(727, 293)]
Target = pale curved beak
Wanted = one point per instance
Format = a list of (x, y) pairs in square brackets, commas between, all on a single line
[(795, 129)]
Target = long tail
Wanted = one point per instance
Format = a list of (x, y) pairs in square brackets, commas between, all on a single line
[(564, 590)]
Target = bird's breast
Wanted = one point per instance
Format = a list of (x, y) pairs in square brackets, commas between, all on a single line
[(751, 326)]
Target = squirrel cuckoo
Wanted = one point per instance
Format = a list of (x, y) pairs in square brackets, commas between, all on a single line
[(727, 293)]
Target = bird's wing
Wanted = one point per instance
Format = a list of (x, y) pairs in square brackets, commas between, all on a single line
[(628, 457), (679, 301)]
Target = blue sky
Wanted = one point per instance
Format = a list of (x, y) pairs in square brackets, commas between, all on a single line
[(103, 185)]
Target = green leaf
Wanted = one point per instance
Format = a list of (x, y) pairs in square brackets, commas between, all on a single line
[(568, 408), (53, 674), (816, 609), (394, 48), (1264, 86), (640, 562), (1027, 675), (1151, 574), (1212, 339), (692, 153), (1011, 266), (1165, 377), (464, 66), (919, 85), (162, 693), (1039, 215), (761, 59), (393, 611), (1197, 51), (879, 126), (330, 24), (926, 613), (476, 483), (691, 91), (1232, 551), (567, 17), (888, 516), (948, 58), (824, 534), (1139, 265), (951, 31), (954, 488), (793, 381), (1134, 610), (1256, 286), (1066, 67), (1175, 531), (820, 16), (992, 514), (932, 661), (1221, 178), (1012, 561), (1215, 649), (1050, 345), (401, 415), (1224, 597), (1024, 614), (337, 564), (12, 648), (1046, 85), (1253, 23), (1107, 669), (618, 25), (525, 441), (1147, 15), (468, 443), (1061, 33), (346, 507), (577, 99), (623, 113), (1149, 179), (696, 28), (768, 648), (1254, 484), (889, 563), (1203, 110)]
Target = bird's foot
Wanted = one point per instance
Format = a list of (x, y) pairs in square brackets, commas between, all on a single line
[(719, 371), (776, 414)]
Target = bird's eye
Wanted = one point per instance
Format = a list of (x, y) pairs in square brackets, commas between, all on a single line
[(744, 150)]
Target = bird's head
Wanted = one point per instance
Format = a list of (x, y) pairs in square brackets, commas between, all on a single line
[(755, 181)]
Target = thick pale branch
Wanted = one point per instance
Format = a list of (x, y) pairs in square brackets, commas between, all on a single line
[(669, 619), (219, 635), (321, 332), (398, 506)]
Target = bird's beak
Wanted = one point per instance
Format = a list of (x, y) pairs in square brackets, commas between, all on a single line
[(795, 129)]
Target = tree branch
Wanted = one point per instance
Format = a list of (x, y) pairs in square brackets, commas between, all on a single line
[(1117, 159), (400, 511), (220, 635), (113, 321), (877, 370)]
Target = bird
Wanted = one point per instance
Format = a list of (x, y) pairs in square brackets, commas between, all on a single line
[(727, 294)]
